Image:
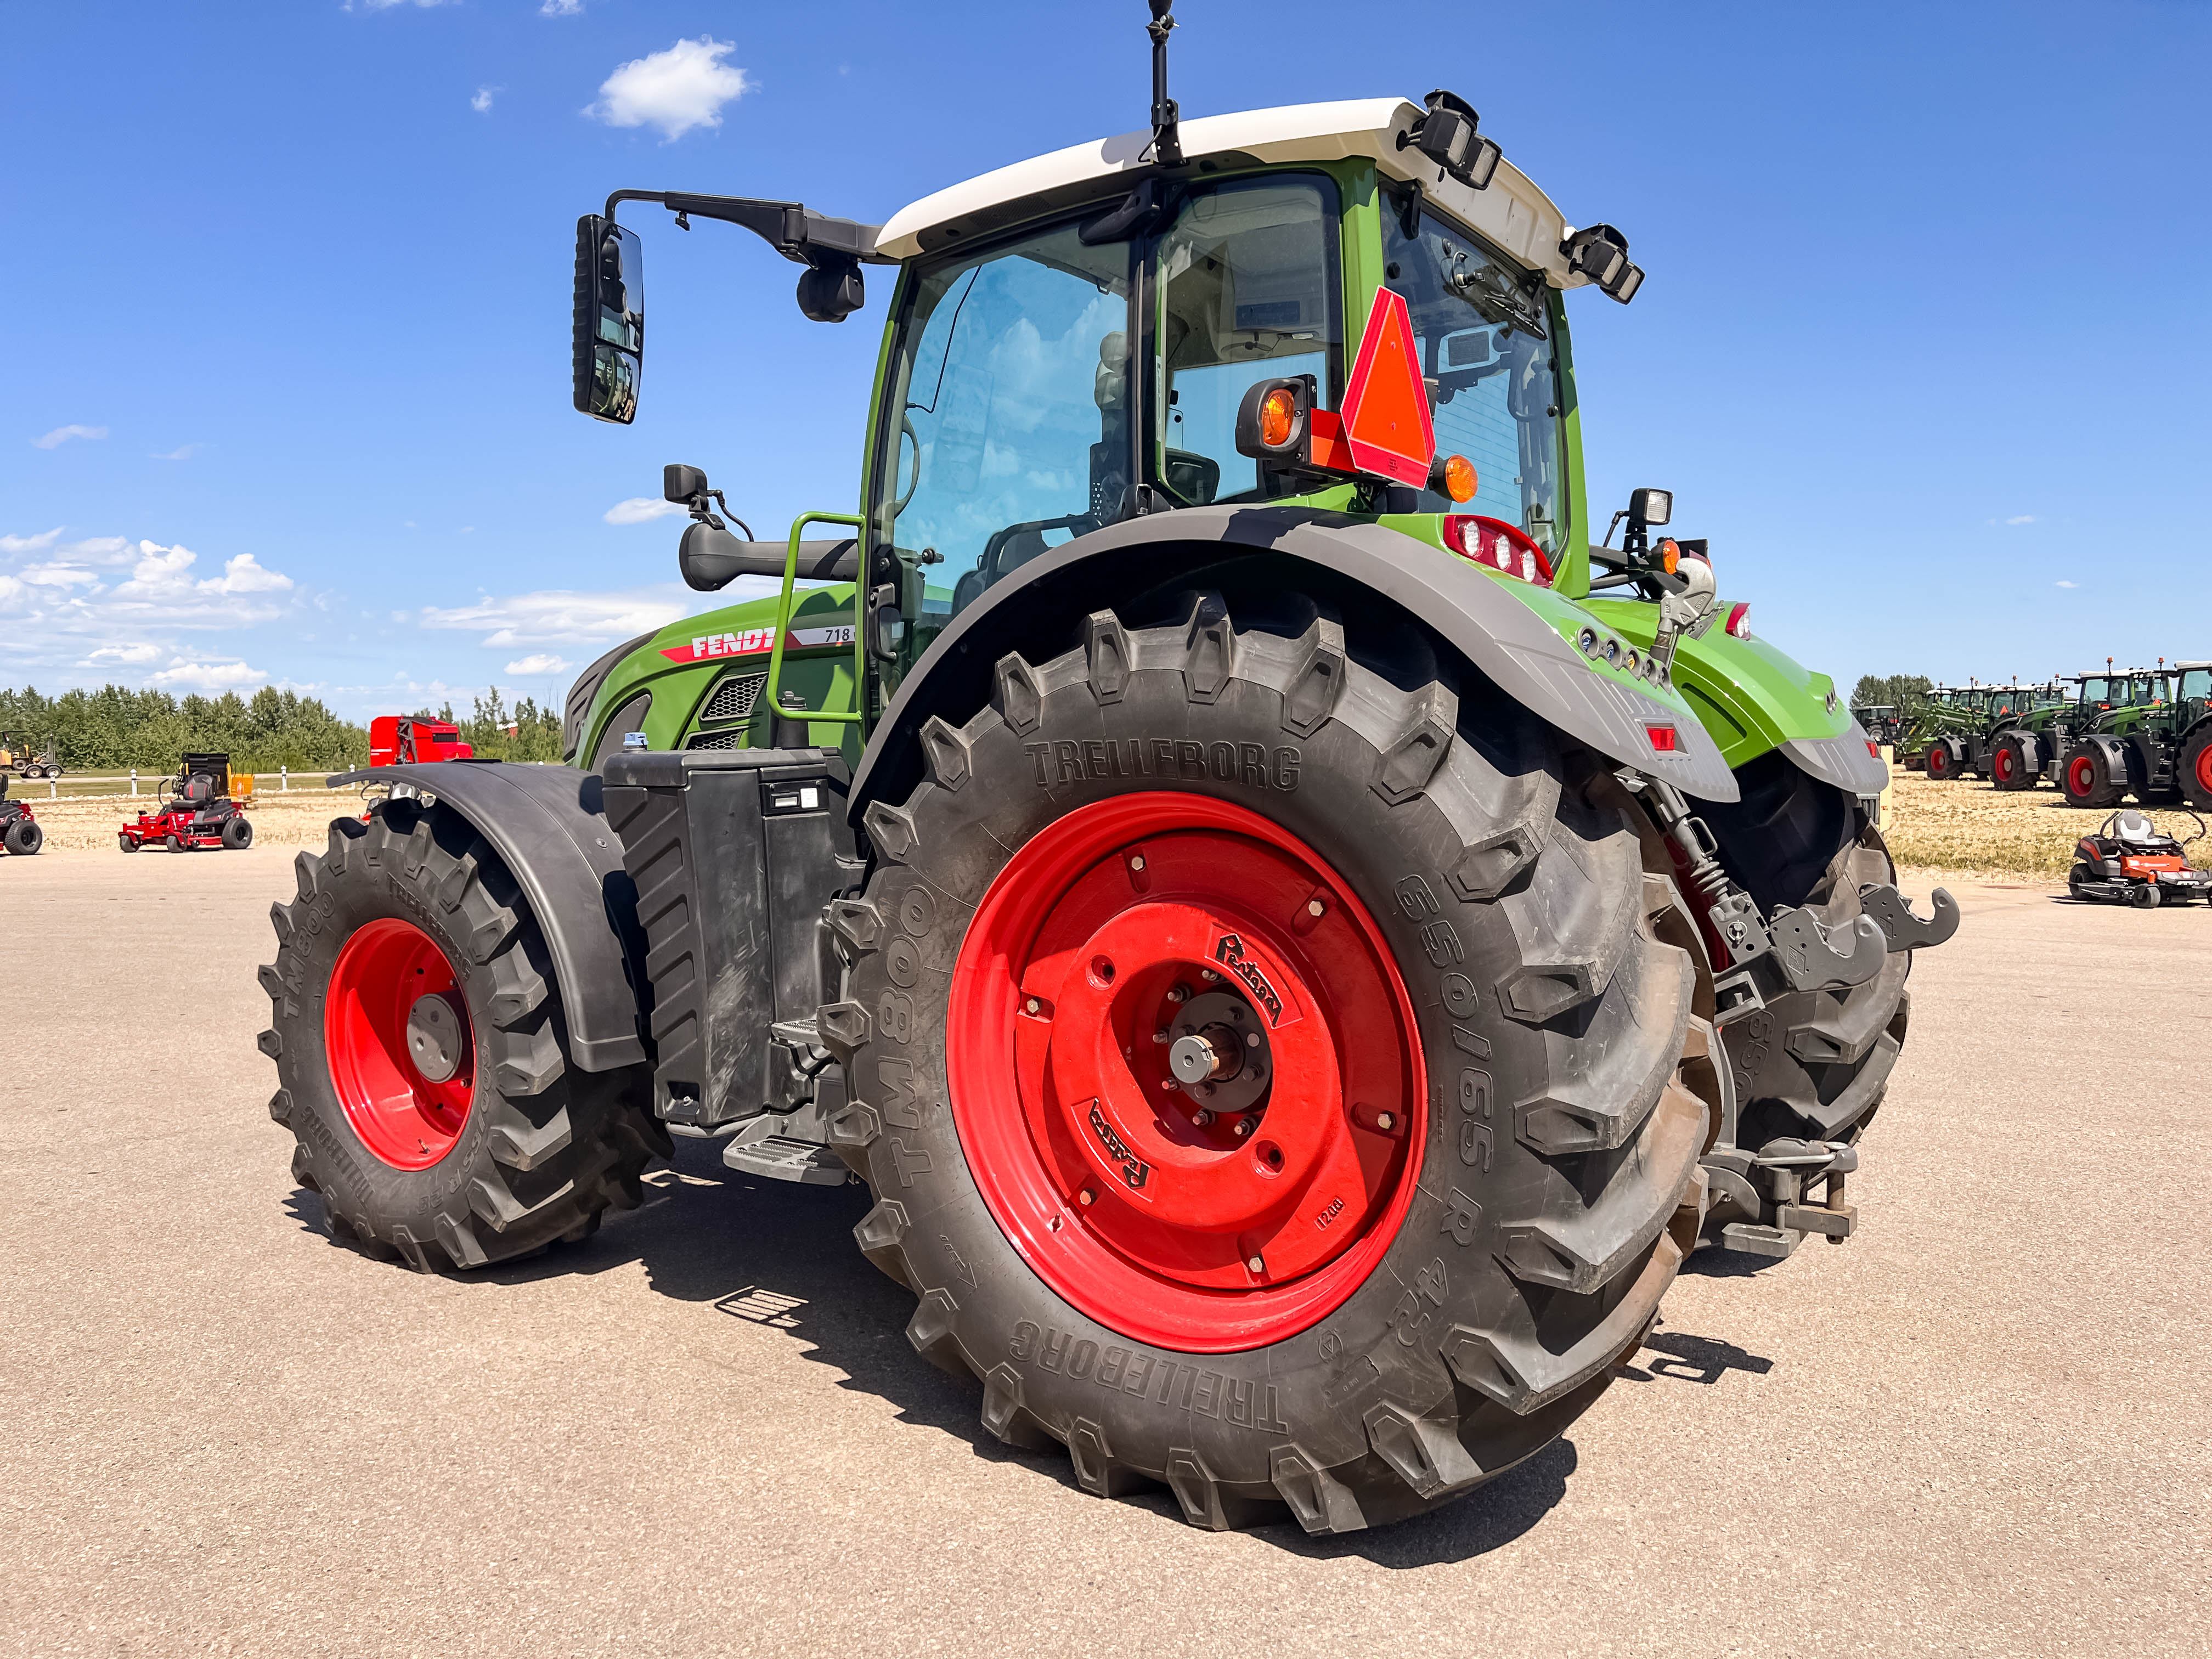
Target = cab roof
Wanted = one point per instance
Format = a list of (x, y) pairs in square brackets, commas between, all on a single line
[(1513, 214)]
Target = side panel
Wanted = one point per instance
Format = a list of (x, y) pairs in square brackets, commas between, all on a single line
[(1520, 636), (548, 824), (1752, 697)]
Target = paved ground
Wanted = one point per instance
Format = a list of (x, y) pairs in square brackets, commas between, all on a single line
[(1979, 1428)]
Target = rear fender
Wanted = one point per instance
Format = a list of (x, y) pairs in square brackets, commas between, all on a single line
[(548, 826), (1520, 636)]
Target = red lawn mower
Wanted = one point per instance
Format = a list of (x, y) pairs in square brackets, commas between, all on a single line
[(2130, 860), (196, 812), (19, 832)]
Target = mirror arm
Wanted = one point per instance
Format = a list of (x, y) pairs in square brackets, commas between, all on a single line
[(803, 237)]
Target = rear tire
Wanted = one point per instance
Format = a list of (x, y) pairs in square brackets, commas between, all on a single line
[(237, 835), (1942, 764), (1547, 1196), (516, 1148), (2196, 771), (2087, 778), (2011, 766), (24, 837), (1812, 1064)]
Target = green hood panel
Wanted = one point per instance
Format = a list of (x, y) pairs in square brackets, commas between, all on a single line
[(1750, 696), (681, 665)]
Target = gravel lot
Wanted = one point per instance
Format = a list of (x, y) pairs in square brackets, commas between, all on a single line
[(1980, 1427)]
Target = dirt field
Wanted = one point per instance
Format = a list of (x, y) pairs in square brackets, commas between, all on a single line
[(1973, 828), (1977, 1428), (82, 824)]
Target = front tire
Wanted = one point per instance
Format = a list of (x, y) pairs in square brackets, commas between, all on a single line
[(1483, 1131), (2087, 780), (126, 844), (423, 1055), (1942, 765), (2011, 766), (2196, 771)]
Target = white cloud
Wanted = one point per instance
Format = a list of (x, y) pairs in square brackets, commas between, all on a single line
[(123, 656), (538, 662), (62, 435), (181, 453), (2066, 584), (2024, 518), (247, 575), (556, 616), (38, 544), (642, 509), (676, 90), (208, 677), (59, 574), (562, 9), (482, 102)]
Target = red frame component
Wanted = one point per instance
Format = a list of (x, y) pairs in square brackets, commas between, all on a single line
[(404, 1118), (1098, 1166), (405, 739)]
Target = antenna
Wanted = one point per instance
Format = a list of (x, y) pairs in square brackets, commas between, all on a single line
[(1167, 140)]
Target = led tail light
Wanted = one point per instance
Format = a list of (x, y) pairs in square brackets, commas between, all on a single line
[(1739, 621), (1497, 546)]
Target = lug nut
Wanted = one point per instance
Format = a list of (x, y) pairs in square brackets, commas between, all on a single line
[(1384, 1120), (1243, 1128), (1160, 1035), (1314, 907), (1251, 1039), (1180, 993), (1201, 1118), (1169, 1085), (1137, 861), (1207, 974), (1086, 1196), (1257, 1264), (1032, 1005)]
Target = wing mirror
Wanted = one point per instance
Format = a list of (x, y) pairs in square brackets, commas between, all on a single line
[(607, 344)]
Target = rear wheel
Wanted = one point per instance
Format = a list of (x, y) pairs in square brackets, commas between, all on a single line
[(1813, 1064), (423, 1054), (1269, 1076), (1942, 764), (2196, 771), (237, 834), (2079, 874), (2011, 766), (2087, 778), (24, 837)]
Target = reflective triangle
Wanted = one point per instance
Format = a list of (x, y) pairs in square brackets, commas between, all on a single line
[(1385, 405)]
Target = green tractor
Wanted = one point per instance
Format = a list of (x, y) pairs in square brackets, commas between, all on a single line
[(1298, 937), (2028, 725), (1943, 734), (2150, 737)]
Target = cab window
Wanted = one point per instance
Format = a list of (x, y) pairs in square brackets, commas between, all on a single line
[(1249, 291)]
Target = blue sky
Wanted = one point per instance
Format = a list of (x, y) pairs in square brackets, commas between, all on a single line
[(1920, 350)]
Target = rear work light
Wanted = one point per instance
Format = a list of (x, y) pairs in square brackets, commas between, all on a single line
[(1739, 622), (1497, 545)]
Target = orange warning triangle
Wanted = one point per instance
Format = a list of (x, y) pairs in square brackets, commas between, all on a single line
[(1385, 405)]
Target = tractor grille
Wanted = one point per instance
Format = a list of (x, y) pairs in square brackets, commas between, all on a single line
[(729, 740), (733, 700)]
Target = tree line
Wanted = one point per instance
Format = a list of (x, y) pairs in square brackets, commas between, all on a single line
[(1890, 690), (115, 728)]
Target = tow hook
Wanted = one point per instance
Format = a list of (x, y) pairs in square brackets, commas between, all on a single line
[(1772, 1187), (1893, 914)]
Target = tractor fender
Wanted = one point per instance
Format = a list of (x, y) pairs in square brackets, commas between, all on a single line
[(548, 824), (2119, 754), (1036, 607), (1848, 761)]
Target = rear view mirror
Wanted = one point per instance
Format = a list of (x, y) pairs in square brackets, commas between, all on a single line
[(608, 344)]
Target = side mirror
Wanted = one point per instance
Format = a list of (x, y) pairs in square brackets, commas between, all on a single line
[(1650, 506), (607, 346), (886, 624)]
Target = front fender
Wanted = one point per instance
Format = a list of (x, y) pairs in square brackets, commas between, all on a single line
[(548, 825), (1518, 635)]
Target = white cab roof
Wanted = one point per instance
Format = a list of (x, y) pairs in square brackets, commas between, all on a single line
[(1512, 213)]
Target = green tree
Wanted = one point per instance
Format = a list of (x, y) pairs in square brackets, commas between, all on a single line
[(115, 728), (1890, 690)]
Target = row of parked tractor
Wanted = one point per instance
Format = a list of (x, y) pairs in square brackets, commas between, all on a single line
[(2144, 733)]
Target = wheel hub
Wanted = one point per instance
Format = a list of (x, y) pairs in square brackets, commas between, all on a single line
[(1208, 1123), (433, 1033)]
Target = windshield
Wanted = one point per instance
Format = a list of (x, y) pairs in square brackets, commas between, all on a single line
[(1249, 292), (1010, 386), (2196, 685), (1486, 352)]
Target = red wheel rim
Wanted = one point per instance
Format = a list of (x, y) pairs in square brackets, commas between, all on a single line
[(2082, 776), (406, 1119), (1938, 759), (2004, 765), (1059, 1088), (2204, 770)]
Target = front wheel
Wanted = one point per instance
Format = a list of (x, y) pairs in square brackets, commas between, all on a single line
[(126, 843), (2087, 780), (173, 844), (2011, 767), (1942, 765), (2196, 771), (423, 1054), (1269, 1078)]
